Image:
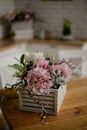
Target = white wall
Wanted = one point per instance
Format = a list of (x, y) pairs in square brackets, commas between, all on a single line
[(53, 13)]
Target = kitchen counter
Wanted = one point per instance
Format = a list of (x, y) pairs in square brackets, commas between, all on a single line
[(4, 44)]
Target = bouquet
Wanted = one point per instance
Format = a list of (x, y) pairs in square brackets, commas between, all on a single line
[(40, 74)]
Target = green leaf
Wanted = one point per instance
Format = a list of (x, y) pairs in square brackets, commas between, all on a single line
[(22, 59), (18, 67), (17, 75)]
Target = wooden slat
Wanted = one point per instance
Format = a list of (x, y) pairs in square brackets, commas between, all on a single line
[(40, 97), (53, 100), (41, 101)]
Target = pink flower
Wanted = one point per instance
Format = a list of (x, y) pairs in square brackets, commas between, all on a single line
[(53, 67), (38, 80), (65, 70), (10, 16), (42, 63)]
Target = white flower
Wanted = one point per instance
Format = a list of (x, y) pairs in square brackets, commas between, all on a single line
[(36, 56), (27, 57)]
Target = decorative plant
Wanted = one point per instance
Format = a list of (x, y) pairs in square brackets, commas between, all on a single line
[(11, 17), (39, 73), (12, 35), (67, 27)]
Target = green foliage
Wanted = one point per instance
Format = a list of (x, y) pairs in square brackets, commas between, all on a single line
[(22, 59), (66, 27), (58, 79), (12, 34), (20, 68)]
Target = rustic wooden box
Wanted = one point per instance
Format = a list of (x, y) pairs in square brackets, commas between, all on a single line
[(52, 102)]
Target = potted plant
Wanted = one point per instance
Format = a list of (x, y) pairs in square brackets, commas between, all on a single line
[(67, 32), (41, 82)]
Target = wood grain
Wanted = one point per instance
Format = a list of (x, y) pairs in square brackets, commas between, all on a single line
[(6, 44), (72, 115)]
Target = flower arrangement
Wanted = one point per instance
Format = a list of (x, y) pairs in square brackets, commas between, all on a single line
[(40, 81), (39, 73)]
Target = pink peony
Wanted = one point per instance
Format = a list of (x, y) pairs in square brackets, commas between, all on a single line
[(42, 63), (38, 80), (54, 68), (65, 70)]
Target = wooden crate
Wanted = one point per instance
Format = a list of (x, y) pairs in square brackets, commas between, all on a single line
[(52, 102)]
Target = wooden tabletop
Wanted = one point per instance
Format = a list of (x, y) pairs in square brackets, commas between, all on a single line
[(72, 115), (5, 44)]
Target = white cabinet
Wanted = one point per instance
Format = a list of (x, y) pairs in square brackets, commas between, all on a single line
[(48, 48), (14, 50)]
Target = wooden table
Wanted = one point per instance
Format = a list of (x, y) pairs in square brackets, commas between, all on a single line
[(72, 115)]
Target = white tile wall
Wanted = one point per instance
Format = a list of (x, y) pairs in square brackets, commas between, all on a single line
[(53, 13), (6, 6)]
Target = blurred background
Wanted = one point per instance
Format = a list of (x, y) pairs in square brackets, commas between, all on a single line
[(43, 17)]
